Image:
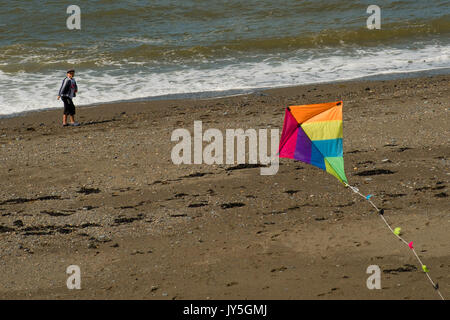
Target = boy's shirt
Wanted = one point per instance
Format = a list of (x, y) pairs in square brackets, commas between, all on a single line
[(68, 88)]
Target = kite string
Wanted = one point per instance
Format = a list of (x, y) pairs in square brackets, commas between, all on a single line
[(380, 213)]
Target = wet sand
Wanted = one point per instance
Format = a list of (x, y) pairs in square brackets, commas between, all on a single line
[(106, 196)]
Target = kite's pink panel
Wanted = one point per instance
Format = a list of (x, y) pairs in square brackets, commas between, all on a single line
[(288, 136), (288, 148)]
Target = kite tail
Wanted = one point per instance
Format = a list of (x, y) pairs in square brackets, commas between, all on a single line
[(396, 232)]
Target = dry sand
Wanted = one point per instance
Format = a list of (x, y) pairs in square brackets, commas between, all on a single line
[(106, 197)]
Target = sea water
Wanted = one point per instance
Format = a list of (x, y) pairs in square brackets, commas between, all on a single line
[(128, 50)]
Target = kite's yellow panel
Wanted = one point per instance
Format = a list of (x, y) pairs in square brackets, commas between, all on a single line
[(323, 130)]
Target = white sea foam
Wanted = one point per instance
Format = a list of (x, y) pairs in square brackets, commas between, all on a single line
[(20, 92), (142, 40)]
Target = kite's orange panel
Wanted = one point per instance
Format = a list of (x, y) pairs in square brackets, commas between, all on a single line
[(329, 115), (306, 112)]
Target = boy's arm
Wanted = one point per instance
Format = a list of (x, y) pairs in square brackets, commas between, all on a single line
[(63, 88), (60, 89)]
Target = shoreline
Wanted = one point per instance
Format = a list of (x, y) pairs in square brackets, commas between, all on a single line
[(211, 95), (106, 196)]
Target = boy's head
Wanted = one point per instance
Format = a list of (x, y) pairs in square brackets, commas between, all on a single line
[(70, 73)]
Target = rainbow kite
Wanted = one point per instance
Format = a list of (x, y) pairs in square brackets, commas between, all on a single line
[(313, 134)]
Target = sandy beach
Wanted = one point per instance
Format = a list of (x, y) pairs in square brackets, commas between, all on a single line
[(106, 196)]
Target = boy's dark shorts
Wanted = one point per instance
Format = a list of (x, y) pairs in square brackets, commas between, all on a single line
[(69, 107)]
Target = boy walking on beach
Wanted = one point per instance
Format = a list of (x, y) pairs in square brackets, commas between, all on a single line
[(67, 92)]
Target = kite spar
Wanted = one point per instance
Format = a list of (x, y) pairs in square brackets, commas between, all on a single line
[(313, 134)]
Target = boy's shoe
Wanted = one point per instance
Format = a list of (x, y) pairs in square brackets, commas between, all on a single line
[(75, 124), (65, 124)]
